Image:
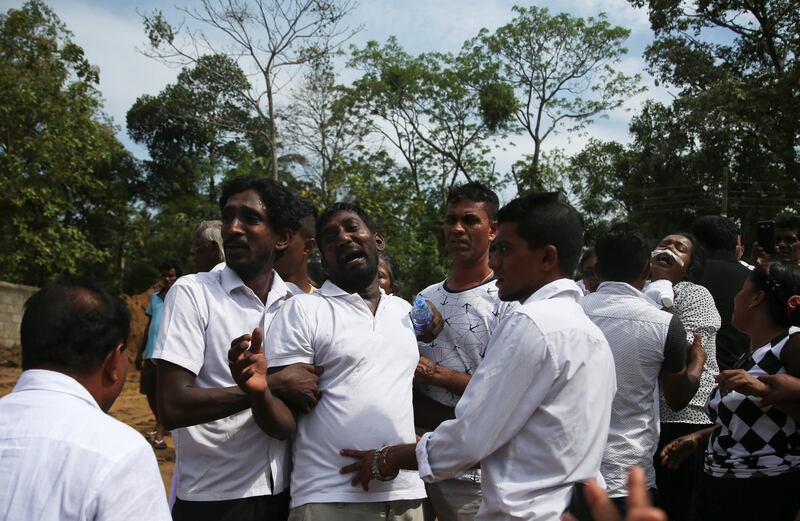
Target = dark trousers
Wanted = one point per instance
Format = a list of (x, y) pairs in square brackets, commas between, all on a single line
[(258, 508), (733, 499), (676, 488)]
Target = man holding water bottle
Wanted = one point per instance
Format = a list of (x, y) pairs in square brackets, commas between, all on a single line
[(470, 307)]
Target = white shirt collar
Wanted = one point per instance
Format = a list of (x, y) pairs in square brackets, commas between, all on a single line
[(230, 280), (560, 288), (613, 287), (329, 289), (45, 380)]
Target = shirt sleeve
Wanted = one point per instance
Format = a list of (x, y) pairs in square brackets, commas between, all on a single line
[(509, 385), (149, 310), (674, 347), (288, 339), (132, 489), (695, 306), (181, 337)]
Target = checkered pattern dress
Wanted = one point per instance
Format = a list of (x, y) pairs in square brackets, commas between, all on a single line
[(748, 440)]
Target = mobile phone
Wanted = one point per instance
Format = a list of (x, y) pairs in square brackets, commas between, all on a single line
[(765, 235)]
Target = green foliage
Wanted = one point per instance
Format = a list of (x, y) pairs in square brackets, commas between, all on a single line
[(562, 71), (66, 182), (440, 111)]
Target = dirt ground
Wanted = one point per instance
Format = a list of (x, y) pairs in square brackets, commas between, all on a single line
[(131, 407)]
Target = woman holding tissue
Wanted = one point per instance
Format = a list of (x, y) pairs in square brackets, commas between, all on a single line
[(676, 266), (752, 452)]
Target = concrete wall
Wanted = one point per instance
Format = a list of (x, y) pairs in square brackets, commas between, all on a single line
[(12, 299)]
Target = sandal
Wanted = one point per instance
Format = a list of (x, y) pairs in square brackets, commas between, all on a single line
[(159, 444)]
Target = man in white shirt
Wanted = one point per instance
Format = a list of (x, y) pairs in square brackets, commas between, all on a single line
[(471, 309), (61, 456), (226, 468), (649, 345), (364, 341), (536, 412)]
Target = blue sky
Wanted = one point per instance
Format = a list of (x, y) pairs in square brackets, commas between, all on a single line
[(110, 32)]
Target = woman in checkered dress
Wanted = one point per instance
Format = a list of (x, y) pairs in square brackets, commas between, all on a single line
[(752, 453)]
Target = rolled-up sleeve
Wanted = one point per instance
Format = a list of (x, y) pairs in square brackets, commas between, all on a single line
[(517, 374)]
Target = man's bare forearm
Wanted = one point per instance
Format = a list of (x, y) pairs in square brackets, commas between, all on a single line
[(181, 404), (273, 416)]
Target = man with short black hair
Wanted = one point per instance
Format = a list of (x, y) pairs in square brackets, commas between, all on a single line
[(170, 271), (292, 265), (649, 346), (536, 412), (723, 277), (226, 468), (471, 309), (787, 234), (364, 341), (61, 456)]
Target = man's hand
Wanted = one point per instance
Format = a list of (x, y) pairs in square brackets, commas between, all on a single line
[(248, 364), (428, 372), (781, 389), (434, 327), (297, 385), (741, 381), (759, 255), (676, 451), (639, 506), (139, 361), (362, 467)]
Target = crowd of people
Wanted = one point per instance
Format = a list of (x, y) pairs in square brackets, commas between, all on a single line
[(663, 381)]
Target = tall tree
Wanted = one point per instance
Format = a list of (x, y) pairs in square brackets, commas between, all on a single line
[(195, 130), (325, 129), (735, 60), (66, 179), (438, 109), (272, 36), (562, 69)]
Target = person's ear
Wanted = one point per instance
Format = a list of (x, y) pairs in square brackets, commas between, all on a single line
[(284, 240), (758, 298), (549, 258), (492, 230), (380, 242), (115, 364), (309, 245)]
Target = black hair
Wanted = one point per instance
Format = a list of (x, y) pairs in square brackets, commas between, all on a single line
[(697, 263), (547, 219), (72, 325), (716, 232), (335, 208), (477, 193), (393, 267), (588, 254), (283, 207), (169, 264), (787, 220), (779, 281), (307, 225), (622, 253)]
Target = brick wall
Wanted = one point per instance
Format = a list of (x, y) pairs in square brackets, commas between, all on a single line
[(12, 299)]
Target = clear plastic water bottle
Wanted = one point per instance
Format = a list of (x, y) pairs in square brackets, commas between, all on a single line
[(421, 315)]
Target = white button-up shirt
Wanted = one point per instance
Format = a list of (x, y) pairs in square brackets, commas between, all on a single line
[(230, 458), (368, 362), (637, 332), (536, 412), (62, 458)]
